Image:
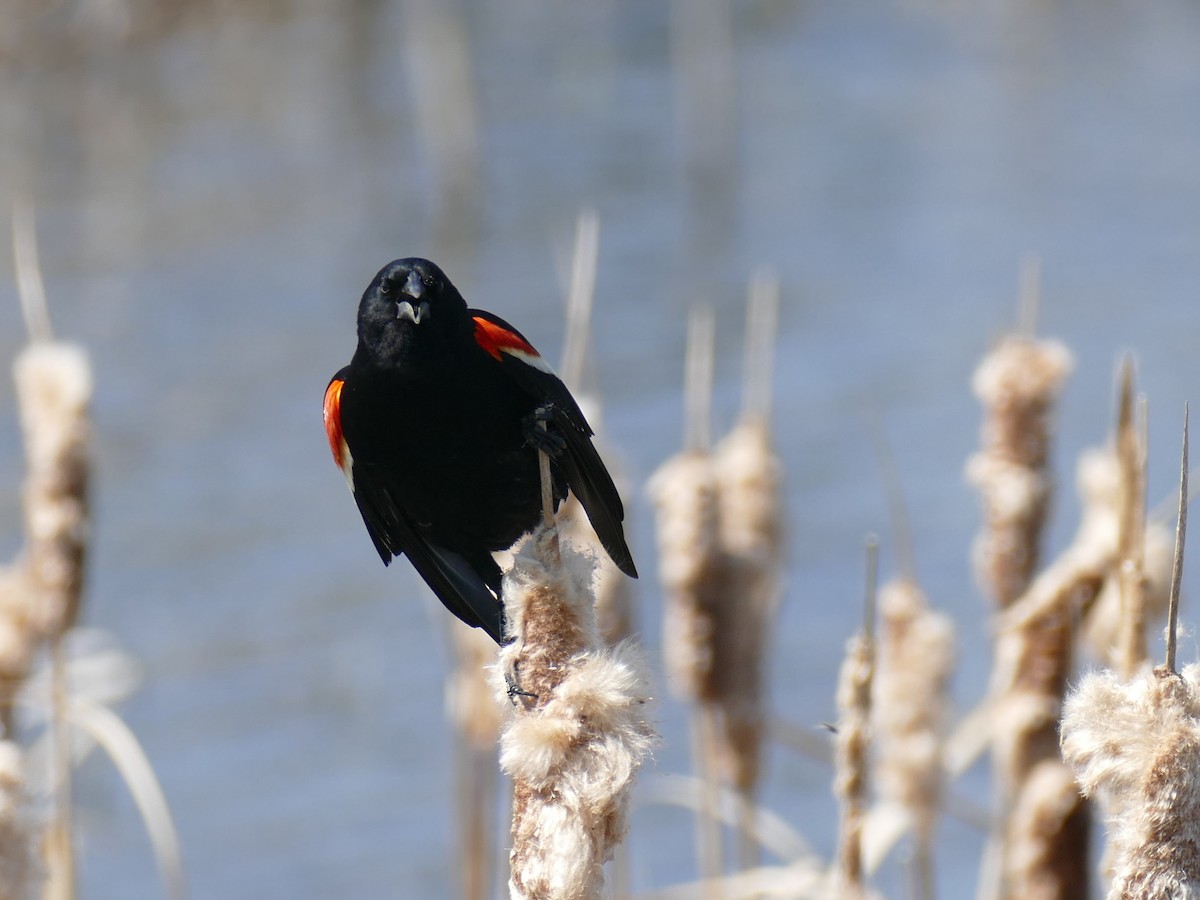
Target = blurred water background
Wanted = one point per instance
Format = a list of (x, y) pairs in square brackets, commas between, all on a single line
[(217, 182)]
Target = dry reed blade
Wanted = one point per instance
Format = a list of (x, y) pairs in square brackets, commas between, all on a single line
[(123, 748), (772, 831), (31, 289)]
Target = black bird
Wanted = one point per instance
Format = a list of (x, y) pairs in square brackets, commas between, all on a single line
[(435, 424)]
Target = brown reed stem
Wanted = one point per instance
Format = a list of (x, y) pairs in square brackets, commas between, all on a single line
[(1131, 533), (852, 745), (698, 379), (581, 294), (1180, 540), (60, 849)]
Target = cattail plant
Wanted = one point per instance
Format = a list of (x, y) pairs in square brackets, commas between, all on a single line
[(749, 476), (581, 729), (53, 386), (720, 537), (1018, 383), (916, 656), (1135, 591), (1135, 745), (692, 569), (852, 743)]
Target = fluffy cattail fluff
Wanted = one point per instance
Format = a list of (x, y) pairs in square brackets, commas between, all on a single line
[(851, 748), (750, 524), (1017, 383), (1135, 745), (916, 655), (580, 731), (39, 597)]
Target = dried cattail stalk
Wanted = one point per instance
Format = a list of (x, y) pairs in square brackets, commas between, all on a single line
[(1131, 539), (1047, 814), (1033, 663), (580, 732), (691, 567), (750, 526), (1135, 745), (852, 746), (916, 656), (21, 871), (1017, 383), (472, 709)]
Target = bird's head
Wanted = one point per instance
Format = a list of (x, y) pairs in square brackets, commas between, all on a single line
[(407, 297)]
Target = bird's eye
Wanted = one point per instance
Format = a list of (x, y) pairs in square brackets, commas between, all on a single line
[(385, 288), (428, 281)]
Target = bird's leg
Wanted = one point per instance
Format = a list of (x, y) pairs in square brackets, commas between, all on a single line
[(514, 691), (549, 442)]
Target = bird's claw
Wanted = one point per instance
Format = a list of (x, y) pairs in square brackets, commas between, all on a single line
[(537, 435), (514, 691)]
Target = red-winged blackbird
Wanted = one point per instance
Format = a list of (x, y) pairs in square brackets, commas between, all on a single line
[(434, 424)]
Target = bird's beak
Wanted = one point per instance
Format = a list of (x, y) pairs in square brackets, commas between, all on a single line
[(413, 287), (414, 314)]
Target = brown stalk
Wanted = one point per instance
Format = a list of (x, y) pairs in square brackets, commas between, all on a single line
[(852, 744), (1180, 540)]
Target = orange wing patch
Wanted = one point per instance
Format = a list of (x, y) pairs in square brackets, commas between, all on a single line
[(496, 339), (333, 428)]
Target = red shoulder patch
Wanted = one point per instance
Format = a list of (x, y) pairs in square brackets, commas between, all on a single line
[(333, 422), (496, 339)]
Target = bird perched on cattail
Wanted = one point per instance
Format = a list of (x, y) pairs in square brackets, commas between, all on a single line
[(436, 423)]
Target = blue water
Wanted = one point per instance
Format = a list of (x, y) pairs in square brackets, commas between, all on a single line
[(214, 193)]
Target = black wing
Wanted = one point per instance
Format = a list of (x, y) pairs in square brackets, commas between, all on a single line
[(457, 583), (582, 466)]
